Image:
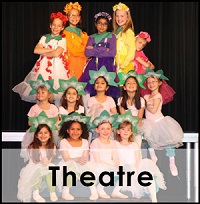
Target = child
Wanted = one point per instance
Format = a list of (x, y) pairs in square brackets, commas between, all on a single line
[(141, 61), (161, 132), (71, 99), (101, 101), (103, 152), (124, 30), (51, 63), (41, 89), (101, 51), (130, 98), (74, 149), (76, 40), (41, 153), (130, 158)]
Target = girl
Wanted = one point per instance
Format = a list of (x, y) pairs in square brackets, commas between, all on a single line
[(74, 149), (141, 61), (76, 40), (103, 152), (41, 153), (130, 158), (124, 30), (42, 94), (101, 49), (131, 99), (51, 63), (71, 100), (161, 132)]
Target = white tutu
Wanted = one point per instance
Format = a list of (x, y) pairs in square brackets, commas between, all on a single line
[(164, 133)]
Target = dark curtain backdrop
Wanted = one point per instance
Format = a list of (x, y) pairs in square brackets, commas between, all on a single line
[(173, 27)]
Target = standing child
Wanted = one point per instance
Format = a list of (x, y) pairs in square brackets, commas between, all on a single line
[(124, 29), (130, 98), (130, 158), (101, 51), (141, 61), (51, 63), (74, 148), (103, 152), (71, 100), (76, 40), (42, 90), (41, 153), (161, 132)]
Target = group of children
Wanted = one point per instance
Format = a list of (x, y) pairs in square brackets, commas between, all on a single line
[(102, 86)]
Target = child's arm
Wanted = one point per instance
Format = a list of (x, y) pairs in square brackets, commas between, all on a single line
[(140, 115), (54, 53), (152, 105), (145, 64), (113, 110), (40, 49), (121, 110)]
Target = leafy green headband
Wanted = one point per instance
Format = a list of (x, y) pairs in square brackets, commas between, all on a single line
[(158, 74), (104, 117), (127, 116), (72, 82), (41, 82), (140, 78), (102, 72), (42, 118)]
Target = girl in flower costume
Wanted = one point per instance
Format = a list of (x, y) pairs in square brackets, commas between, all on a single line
[(76, 40), (51, 63), (124, 29), (101, 51)]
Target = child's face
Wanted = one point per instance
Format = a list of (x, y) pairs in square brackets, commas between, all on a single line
[(56, 26), (130, 85), (74, 17), (71, 95), (100, 84), (44, 135), (102, 25), (125, 132), (104, 130), (121, 17), (140, 43), (153, 83), (75, 131), (42, 94)]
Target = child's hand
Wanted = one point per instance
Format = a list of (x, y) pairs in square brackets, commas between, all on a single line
[(45, 161), (83, 160)]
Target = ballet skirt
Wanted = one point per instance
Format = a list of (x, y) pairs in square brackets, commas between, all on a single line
[(49, 67), (161, 131), (98, 57), (129, 165), (165, 90), (76, 42), (138, 66), (29, 177)]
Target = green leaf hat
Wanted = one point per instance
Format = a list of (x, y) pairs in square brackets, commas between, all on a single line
[(75, 117), (140, 78), (42, 118), (104, 117), (127, 116), (158, 74), (102, 72), (72, 82), (41, 82)]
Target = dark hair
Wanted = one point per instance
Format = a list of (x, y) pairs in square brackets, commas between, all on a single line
[(136, 98), (35, 155)]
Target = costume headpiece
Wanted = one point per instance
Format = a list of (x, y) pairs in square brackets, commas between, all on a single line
[(120, 6), (144, 35), (104, 117), (102, 14), (127, 116), (68, 7), (72, 82), (42, 118), (75, 117), (102, 72), (140, 78), (41, 82), (59, 15), (158, 74)]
